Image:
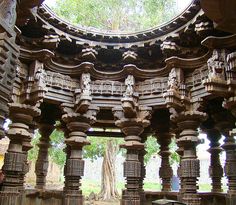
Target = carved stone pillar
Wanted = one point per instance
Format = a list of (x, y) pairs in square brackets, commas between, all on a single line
[(15, 158), (132, 128), (26, 147), (41, 166), (188, 122), (225, 123), (132, 165), (9, 55), (215, 169), (230, 165), (180, 152), (165, 172), (143, 169), (78, 125)]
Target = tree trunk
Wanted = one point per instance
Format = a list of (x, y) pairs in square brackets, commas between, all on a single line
[(108, 184)]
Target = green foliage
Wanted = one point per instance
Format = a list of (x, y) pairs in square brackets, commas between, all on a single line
[(116, 15), (151, 147), (33, 153), (98, 147), (174, 157), (56, 152)]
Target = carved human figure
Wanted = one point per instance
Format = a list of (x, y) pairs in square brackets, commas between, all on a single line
[(172, 80), (8, 11), (129, 83), (40, 76), (85, 84), (216, 64)]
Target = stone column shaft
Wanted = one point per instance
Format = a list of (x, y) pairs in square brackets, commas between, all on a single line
[(165, 171), (143, 175), (74, 168), (215, 169), (41, 166), (230, 165), (190, 165), (132, 172), (15, 161)]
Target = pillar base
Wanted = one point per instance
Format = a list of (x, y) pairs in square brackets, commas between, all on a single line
[(73, 198), (231, 199), (10, 198), (130, 198), (191, 199)]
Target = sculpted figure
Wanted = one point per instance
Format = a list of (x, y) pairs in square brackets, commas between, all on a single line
[(85, 84), (8, 11), (129, 83), (172, 80), (216, 65), (40, 76)]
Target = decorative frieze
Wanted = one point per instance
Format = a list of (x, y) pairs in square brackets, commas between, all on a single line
[(60, 81)]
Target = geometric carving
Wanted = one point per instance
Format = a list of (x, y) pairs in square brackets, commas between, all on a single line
[(75, 167), (132, 169)]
